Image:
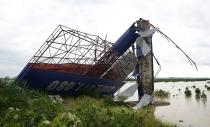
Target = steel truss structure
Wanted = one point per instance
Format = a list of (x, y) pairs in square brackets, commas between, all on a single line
[(72, 51)]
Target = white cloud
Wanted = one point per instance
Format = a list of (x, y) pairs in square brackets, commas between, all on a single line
[(26, 24)]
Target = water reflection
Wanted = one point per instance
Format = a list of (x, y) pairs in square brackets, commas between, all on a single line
[(204, 102), (188, 98), (192, 110), (197, 97)]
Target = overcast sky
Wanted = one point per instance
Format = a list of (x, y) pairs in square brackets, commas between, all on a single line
[(26, 24)]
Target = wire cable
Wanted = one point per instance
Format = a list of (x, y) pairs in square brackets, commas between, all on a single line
[(170, 40)]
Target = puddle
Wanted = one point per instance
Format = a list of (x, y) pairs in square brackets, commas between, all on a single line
[(184, 111)]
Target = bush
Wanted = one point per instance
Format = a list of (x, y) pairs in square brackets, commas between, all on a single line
[(203, 95), (197, 91), (161, 93), (187, 92)]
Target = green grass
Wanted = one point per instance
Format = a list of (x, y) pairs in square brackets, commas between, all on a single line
[(104, 113), (21, 107)]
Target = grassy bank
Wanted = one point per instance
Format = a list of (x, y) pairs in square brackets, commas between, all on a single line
[(104, 113), (21, 107)]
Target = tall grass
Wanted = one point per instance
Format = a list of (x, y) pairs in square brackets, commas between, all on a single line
[(102, 112), (22, 107)]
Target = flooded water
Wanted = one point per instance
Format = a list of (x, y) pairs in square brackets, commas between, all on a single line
[(184, 111)]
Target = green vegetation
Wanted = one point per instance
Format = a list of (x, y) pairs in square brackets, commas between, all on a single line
[(103, 112), (199, 95), (203, 95), (197, 91), (21, 107), (194, 86), (207, 87), (161, 93), (173, 79), (187, 92)]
